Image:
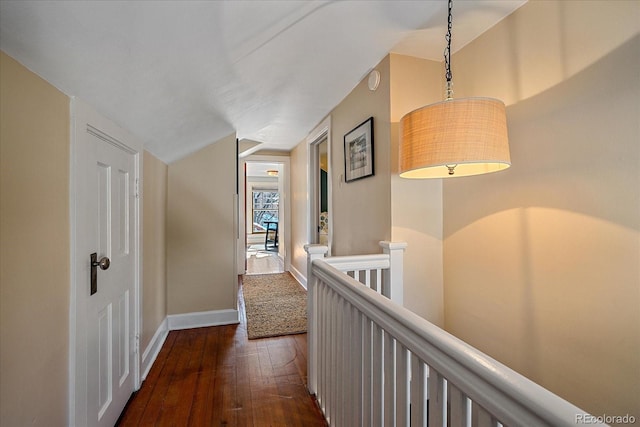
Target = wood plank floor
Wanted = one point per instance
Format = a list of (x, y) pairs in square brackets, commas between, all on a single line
[(216, 377)]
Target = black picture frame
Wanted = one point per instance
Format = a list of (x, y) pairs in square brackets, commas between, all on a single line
[(358, 152)]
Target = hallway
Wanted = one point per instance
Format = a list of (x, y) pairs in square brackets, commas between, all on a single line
[(215, 376)]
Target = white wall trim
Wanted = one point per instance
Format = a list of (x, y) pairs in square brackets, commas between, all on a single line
[(298, 276), (203, 318), (303, 285), (151, 352), (313, 139), (73, 178)]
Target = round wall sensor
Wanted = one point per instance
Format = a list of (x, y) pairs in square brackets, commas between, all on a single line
[(374, 80)]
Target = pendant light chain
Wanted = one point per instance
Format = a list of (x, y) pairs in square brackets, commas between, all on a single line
[(447, 55)]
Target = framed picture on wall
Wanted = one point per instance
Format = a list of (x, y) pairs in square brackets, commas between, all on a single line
[(358, 151)]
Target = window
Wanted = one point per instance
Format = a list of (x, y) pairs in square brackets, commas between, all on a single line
[(265, 208)]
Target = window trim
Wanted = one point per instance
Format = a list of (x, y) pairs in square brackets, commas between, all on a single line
[(258, 189)]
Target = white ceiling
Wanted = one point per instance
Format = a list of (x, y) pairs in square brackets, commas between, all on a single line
[(182, 74), (259, 169)]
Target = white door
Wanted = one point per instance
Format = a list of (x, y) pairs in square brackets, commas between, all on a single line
[(106, 203)]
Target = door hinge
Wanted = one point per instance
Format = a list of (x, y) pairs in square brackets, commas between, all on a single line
[(137, 189), (136, 344)]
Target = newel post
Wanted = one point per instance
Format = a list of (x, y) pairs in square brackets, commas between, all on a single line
[(393, 277), (313, 252)]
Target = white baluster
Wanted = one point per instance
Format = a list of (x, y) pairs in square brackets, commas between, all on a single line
[(322, 346), (459, 407), (418, 397), (484, 418), (367, 346), (333, 348), (389, 380), (313, 252), (437, 399), (343, 322), (402, 386), (356, 366), (377, 376)]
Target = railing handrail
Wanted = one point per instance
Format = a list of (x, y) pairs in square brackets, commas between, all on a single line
[(509, 396), (363, 262), (387, 266)]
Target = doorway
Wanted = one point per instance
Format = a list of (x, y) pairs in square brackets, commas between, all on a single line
[(322, 183), (320, 224), (264, 208), (263, 214)]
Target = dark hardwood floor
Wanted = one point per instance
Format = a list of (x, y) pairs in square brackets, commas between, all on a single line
[(215, 376)]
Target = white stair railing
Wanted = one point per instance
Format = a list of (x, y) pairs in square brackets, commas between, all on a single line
[(374, 363), (380, 272)]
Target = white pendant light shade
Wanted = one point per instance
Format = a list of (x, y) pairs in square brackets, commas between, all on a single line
[(453, 138)]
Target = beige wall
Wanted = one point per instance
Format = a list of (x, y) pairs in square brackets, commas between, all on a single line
[(542, 261), (201, 230), (154, 249), (362, 208), (384, 206), (34, 249), (299, 207), (416, 205)]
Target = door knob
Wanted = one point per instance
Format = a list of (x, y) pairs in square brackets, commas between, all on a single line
[(104, 263)]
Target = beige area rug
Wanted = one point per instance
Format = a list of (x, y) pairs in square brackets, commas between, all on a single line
[(276, 305)]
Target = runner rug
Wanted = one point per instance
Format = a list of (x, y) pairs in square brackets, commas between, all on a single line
[(275, 304)]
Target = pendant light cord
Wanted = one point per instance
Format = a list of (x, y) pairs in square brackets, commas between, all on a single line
[(447, 55), (447, 69)]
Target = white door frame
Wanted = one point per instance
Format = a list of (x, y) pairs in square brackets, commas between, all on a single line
[(80, 113), (285, 197), (317, 135)]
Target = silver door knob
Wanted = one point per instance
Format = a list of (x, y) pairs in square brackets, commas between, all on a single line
[(104, 263)]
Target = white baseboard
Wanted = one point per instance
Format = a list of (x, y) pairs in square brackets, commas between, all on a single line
[(298, 276), (176, 322), (202, 319), (151, 352)]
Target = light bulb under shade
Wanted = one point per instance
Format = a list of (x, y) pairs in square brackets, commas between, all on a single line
[(468, 133)]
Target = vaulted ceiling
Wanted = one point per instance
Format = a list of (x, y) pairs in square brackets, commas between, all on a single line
[(182, 74)]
